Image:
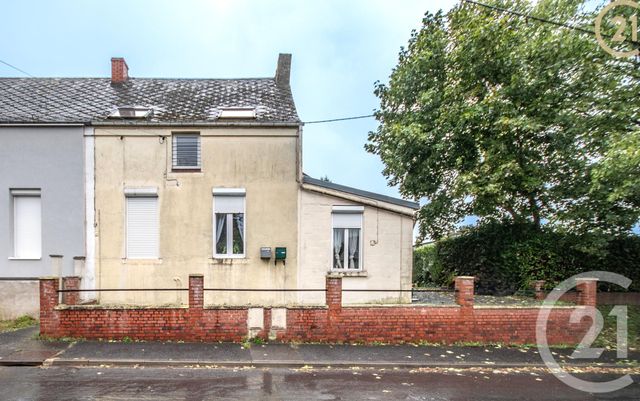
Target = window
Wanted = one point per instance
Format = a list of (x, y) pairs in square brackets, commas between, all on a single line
[(142, 223), (27, 224), (347, 238), (186, 151), (228, 222)]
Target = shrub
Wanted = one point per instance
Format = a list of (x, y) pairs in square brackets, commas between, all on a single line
[(505, 258)]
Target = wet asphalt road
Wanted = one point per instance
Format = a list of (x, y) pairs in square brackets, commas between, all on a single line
[(32, 383)]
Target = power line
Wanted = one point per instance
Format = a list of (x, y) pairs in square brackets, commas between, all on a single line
[(540, 19), (16, 68), (338, 119)]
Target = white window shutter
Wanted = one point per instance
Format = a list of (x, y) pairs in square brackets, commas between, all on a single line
[(27, 227), (347, 220), (229, 204), (142, 228)]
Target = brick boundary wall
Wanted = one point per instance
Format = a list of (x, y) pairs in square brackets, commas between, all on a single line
[(334, 322)]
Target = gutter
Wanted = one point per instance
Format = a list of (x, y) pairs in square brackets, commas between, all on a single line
[(121, 123), (196, 124)]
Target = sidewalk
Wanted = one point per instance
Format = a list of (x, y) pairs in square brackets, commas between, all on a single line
[(26, 350), (20, 348)]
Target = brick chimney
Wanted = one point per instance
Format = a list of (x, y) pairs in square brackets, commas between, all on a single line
[(283, 72), (119, 70)]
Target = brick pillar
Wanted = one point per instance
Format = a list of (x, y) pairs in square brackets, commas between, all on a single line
[(333, 286), (538, 288), (48, 302), (196, 292), (587, 291), (464, 291), (334, 292), (71, 283)]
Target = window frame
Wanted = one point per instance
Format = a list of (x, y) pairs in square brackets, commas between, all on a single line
[(231, 192), (23, 193), (174, 157), (348, 210), (141, 192)]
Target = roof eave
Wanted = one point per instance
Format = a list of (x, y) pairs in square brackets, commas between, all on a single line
[(121, 123), (378, 200)]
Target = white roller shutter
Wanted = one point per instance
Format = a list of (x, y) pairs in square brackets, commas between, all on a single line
[(228, 204), (27, 224), (142, 228), (347, 220)]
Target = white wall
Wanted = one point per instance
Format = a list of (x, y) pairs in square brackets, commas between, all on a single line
[(386, 254)]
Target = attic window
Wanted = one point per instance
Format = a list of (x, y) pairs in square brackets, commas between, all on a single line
[(237, 112), (131, 112)]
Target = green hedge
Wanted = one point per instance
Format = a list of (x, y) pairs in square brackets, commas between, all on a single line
[(507, 257)]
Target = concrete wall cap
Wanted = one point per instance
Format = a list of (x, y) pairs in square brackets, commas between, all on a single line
[(587, 279), (196, 275)]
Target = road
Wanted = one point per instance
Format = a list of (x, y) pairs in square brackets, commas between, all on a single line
[(108, 383)]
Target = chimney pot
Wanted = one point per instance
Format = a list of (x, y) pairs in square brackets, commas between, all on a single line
[(283, 72), (119, 70)]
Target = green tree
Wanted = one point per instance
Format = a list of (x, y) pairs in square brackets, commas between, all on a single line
[(511, 119)]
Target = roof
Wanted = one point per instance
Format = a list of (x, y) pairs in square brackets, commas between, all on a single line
[(91, 100), (358, 192)]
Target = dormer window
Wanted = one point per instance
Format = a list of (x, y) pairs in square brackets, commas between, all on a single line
[(133, 112), (237, 112)]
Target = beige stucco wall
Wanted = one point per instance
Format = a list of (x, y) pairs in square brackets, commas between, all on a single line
[(387, 251), (19, 298), (261, 160)]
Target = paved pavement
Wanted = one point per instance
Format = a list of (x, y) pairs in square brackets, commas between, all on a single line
[(30, 383), (22, 348)]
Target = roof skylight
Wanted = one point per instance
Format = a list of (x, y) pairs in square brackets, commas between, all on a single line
[(131, 112), (237, 112)]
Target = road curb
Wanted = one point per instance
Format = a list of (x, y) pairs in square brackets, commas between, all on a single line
[(37, 362), (58, 362)]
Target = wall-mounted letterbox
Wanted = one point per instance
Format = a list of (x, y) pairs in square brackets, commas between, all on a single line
[(265, 252), (281, 254)]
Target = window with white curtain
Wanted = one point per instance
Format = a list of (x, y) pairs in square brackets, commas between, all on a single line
[(229, 222), (27, 223), (347, 238), (142, 225)]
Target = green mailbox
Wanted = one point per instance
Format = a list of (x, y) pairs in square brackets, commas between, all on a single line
[(281, 254)]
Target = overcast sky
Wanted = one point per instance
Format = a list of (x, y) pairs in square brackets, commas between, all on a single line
[(340, 48)]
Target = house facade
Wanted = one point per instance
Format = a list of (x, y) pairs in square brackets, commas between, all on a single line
[(42, 209), (205, 176)]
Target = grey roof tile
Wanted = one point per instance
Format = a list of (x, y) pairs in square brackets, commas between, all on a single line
[(359, 192), (67, 100)]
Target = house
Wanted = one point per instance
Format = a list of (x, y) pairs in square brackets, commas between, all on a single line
[(42, 180), (205, 176)]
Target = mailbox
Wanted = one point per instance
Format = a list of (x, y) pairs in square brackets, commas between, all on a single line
[(265, 252), (281, 253)]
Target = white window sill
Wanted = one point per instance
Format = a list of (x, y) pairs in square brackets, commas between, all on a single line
[(15, 258), (349, 273), (227, 261)]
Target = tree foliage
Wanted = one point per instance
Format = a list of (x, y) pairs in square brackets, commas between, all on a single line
[(510, 119), (506, 258)]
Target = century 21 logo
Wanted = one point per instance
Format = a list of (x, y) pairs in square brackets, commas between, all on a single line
[(621, 21)]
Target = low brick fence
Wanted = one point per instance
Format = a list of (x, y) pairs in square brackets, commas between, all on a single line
[(335, 322)]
